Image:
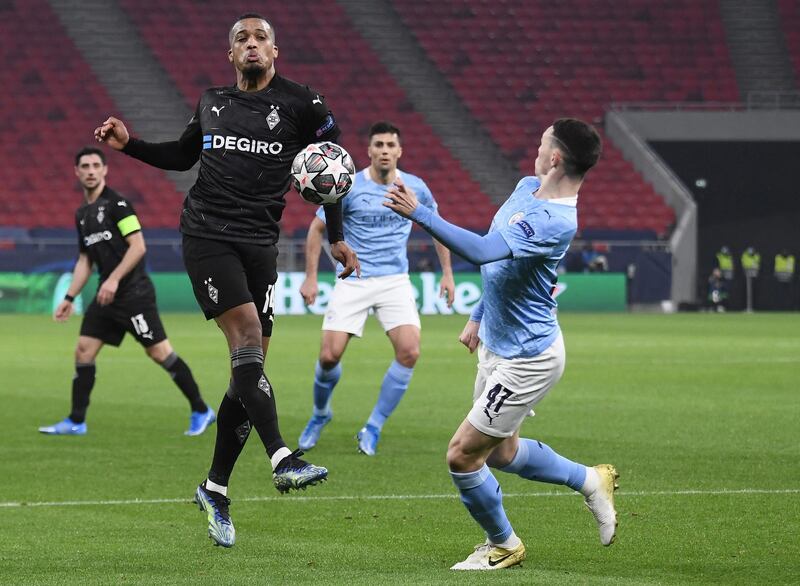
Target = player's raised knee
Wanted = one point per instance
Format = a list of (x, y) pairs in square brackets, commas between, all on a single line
[(457, 459)]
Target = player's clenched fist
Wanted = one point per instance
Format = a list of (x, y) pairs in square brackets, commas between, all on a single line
[(113, 133), (469, 335)]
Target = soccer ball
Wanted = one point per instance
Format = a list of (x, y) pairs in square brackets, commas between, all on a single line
[(323, 172)]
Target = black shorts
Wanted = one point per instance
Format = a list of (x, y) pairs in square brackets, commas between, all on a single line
[(225, 275), (138, 316)]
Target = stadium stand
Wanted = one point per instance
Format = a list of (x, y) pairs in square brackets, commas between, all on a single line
[(789, 11), (53, 107), (574, 58), (191, 45), (680, 56)]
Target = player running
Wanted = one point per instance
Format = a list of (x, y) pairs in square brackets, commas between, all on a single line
[(380, 238), (245, 137), (110, 237), (520, 348)]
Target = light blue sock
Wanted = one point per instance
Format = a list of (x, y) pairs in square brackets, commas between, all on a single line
[(537, 461), (395, 383), (481, 494), (324, 381)]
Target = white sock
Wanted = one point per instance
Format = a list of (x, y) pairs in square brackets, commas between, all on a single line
[(278, 456), (510, 543), (591, 483), (214, 487)]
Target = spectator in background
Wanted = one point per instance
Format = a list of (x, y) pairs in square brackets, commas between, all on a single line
[(784, 266), (724, 260), (717, 291), (751, 262), (784, 274), (593, 261)]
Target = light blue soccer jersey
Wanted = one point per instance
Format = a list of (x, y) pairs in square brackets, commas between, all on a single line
[(377, 234), (518, 306)]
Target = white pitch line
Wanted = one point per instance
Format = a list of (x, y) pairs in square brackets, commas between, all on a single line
[(393, 497)]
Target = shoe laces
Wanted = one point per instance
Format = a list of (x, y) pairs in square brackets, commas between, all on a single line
[(292, 462), (221, 504)]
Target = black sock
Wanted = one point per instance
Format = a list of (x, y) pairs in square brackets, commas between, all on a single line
[(180, 373), (233, 427), (257, 395), (82, 384)]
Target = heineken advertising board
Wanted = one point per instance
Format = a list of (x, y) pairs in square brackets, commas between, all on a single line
[(41, 292)]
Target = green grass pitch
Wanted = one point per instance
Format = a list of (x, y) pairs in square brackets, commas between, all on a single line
[(700, 414)]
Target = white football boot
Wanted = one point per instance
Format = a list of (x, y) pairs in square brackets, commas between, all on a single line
[(601, 503), (492, 557)]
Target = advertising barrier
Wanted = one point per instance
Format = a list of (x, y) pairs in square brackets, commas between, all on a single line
[(41, 292)]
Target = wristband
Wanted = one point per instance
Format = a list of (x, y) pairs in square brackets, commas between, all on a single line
[(69, 298)]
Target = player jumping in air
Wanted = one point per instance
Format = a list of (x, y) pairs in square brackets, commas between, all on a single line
[(380, 238), (110, 237), (245, 137), (520, 347)]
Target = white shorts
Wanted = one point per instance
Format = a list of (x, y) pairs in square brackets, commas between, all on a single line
[(391, 297), (506, 390)]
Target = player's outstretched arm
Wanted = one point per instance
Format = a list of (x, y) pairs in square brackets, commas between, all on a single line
[(310, 288), (80, 275), (476, 249), (176, 155)]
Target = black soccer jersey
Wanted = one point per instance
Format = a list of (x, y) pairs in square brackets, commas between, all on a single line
[(102, 227), (246, 142)]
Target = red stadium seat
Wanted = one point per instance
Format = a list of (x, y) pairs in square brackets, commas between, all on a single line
[(357, 86), (515, 65), (578, 59), (42, 128)]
